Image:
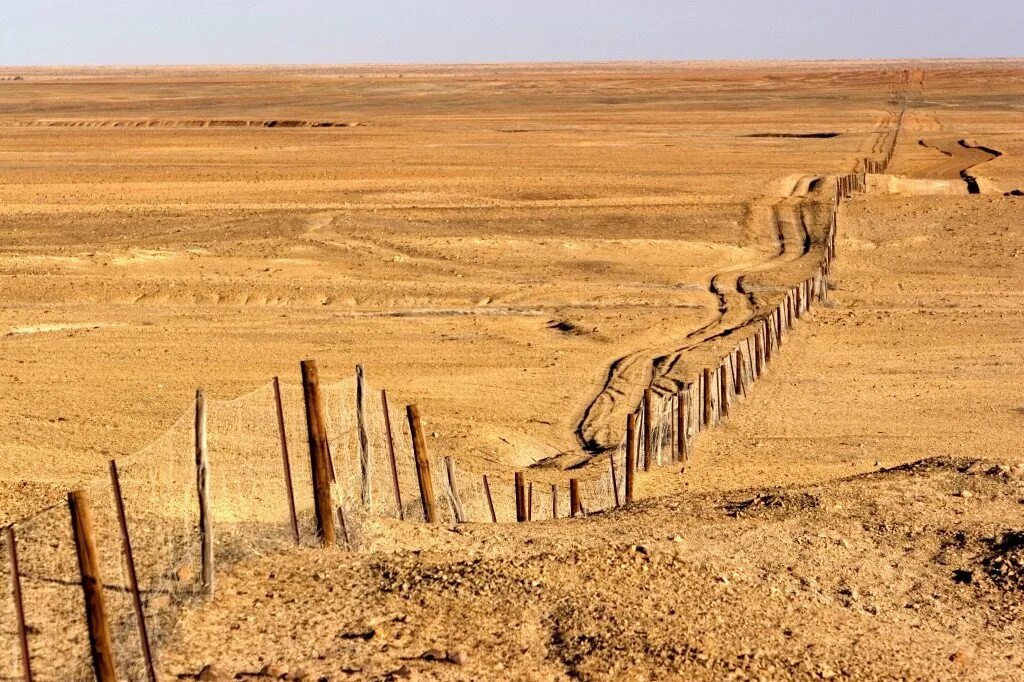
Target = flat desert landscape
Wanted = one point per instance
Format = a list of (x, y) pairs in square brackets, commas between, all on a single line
[(521, 251)]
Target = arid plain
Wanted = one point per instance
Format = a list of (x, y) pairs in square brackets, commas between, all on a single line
[(515, 249)]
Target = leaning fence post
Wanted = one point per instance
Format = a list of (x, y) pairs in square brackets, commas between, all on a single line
[(419, 451), (364, 441), (490, 500), (391, 453), (575, 503), (92, 587), (19, 605), (133, 579), (520, 488), (287, 463), (554, 500), (318, 454), (460, 515), (203, 492)]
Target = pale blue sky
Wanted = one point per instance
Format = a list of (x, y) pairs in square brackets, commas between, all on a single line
[(342, 31)]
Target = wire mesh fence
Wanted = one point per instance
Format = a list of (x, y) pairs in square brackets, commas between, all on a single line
[(261, 499)]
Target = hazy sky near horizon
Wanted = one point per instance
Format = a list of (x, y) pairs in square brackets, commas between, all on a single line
[(48, 32)]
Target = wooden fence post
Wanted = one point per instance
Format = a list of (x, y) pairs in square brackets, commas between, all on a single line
[(615, 479), (529, 501), (319, 456), (648, 427), (741, 378), (287, 463), (630, 455), (419, 451), (554, 500), (723, 381), (709, 405), (133, 579), (460, 515), (391, 453), (490, 500), (92, 587), (365, 462), (520, 497), (682, 420), (575, 503), (19, 604), (203, 491)]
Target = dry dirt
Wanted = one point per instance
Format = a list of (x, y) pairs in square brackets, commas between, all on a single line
[(512, 248)]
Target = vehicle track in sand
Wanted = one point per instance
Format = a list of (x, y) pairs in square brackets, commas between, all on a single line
[(959, 156), (738, 303)]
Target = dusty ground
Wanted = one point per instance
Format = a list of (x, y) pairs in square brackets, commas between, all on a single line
[(489, 240)]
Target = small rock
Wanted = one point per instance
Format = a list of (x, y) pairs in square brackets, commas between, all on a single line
[(965, 493), (457, 656), (677, 538), (639, 549), (434, 434), (433, 655), (958, 657), (844, 543)]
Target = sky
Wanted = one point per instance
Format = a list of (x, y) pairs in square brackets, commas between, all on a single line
[(56, 32)]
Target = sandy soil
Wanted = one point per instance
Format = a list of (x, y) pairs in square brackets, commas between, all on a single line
[(490, 241)]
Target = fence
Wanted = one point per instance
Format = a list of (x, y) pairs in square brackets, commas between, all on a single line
[(98, 584)]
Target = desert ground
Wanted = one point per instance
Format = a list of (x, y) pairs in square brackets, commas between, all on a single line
[(520, 251)]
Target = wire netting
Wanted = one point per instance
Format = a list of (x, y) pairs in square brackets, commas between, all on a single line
[(374, 474)]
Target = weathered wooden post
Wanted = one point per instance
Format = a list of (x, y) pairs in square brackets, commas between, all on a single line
[(529, 501), (520, 497), (682, 419), (630, 455), (365, 461), (648, 427), (554, 501), (460, 515), (723, 382), (319, 466), (391, 453), (133, 579), (615, 479), (19, 604), (203, 491), (490, 500), (92, 587), (289, 490), (709, 405), (575, 503), (419, 451)]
